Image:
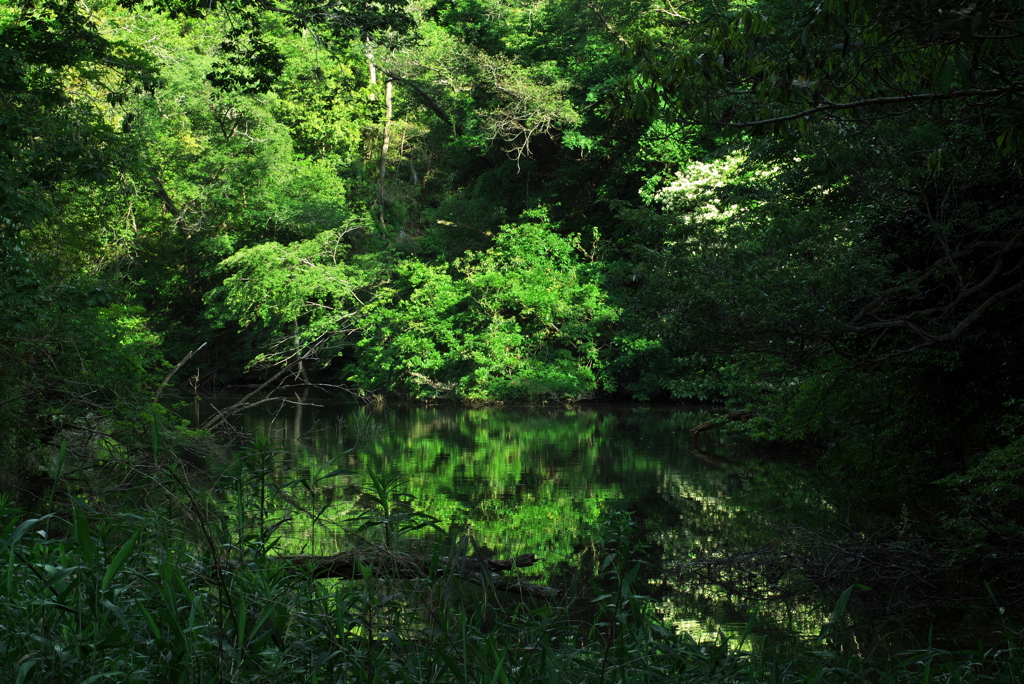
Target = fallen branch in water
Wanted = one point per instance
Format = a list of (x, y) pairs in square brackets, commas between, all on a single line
[(382, 562), (167, 378), (248, 402), (718, 421)]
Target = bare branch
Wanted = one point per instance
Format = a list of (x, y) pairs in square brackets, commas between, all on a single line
[(167, 379), (245, 402), (990, 93)]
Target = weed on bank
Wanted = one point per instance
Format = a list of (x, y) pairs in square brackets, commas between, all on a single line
[(145, 595)]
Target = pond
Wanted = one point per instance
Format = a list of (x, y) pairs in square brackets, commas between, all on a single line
[(541, 480)]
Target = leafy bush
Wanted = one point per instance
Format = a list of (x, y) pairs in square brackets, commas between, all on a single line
[(521, 320)]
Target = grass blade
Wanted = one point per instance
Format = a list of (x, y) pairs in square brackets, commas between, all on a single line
[(120, 558), (20, 531)]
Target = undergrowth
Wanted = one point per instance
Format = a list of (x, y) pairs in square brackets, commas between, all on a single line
[(195, 593)]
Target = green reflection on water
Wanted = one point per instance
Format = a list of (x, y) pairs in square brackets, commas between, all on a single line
[(537, 480)]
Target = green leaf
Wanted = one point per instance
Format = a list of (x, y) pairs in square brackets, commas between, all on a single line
[(59, 575), (20, 530), (25, 668), (963, 65), (944, 74), (105, 675), (85, 541), (120, 558), (154, 628), (117, 613)]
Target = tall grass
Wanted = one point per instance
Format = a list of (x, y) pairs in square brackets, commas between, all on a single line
[(159, 595)]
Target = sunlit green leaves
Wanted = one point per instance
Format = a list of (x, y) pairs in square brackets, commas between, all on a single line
[(301, 291), (519, 320)]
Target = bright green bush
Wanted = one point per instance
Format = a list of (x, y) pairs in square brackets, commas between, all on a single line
[(519, 321)]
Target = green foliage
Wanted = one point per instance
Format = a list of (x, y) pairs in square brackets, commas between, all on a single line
[(518, 321), (391, 512), (536, 203), (775, 66), (994, 484), (782, 275), (228, 171), (249, 59), (750, 260), (989, 511), (59, 77), (71, 360), (93, 596), (278, 289), (325, 104)]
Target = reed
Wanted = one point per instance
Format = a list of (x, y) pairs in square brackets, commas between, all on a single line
[(141, 595)]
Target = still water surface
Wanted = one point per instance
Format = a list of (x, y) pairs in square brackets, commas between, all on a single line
[(540, 480)]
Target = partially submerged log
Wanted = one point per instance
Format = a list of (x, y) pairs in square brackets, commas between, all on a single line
[(713, 459), (715, 422), (718, 421), (383, 562)]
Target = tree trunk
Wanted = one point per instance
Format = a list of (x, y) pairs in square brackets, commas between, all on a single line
[(386, 145)]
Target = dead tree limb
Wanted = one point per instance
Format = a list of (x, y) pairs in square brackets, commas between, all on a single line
[(244, 402), (718, 421), (381, 562), (167, 379)]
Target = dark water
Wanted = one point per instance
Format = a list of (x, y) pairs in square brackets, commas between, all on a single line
[(541, 480)]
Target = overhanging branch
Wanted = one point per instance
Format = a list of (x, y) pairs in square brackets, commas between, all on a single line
[(425, 97), (989, 93)]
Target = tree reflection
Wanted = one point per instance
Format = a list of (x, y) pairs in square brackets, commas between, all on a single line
[(538, 480)]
